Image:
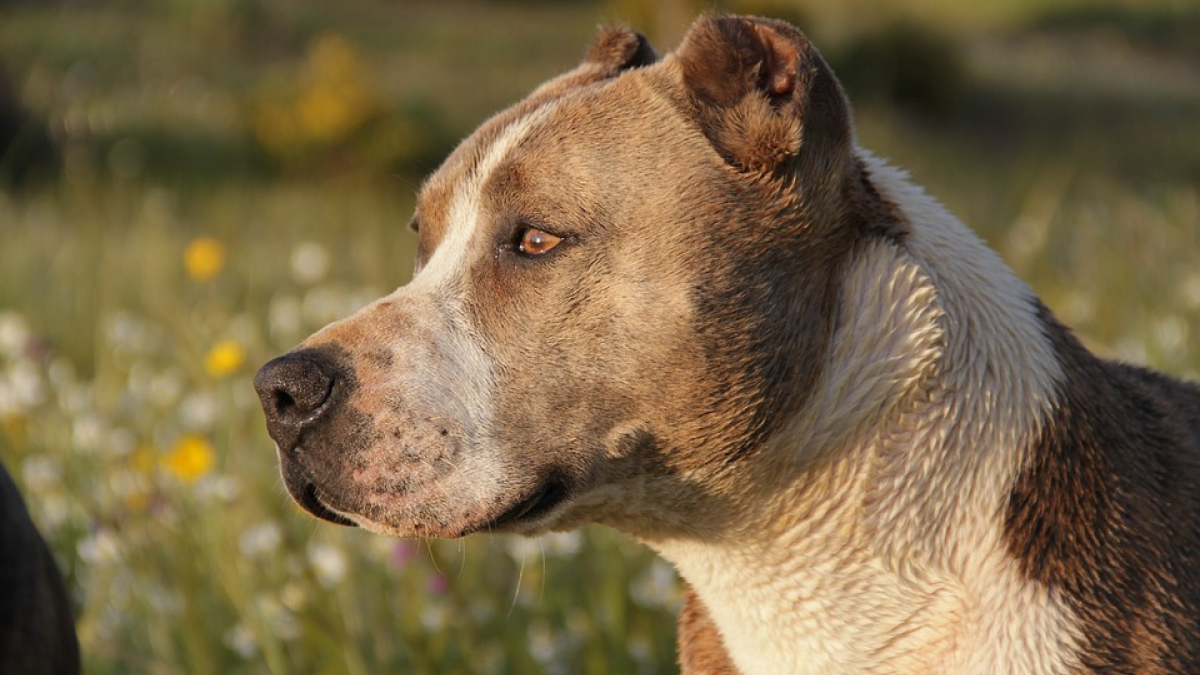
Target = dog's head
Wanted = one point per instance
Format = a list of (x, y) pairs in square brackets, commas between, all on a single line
[(625, 285)]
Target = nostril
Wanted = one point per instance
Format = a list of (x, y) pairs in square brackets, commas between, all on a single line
[(283, 402), (293, 390)]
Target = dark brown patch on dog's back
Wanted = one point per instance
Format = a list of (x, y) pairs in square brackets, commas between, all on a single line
[(1106, 511)]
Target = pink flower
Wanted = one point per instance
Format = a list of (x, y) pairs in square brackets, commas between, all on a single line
[(437, 584), (403, 552)]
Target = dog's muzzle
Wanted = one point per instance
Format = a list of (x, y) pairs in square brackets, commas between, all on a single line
[(298, 391)]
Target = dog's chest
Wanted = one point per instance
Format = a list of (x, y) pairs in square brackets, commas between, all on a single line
[(804, 618), (848, 614)]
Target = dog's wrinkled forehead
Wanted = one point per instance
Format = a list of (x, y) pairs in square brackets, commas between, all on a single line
[(450, 201), (451, 204)]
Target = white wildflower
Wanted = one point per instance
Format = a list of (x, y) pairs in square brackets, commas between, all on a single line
[(26, 383), (199, 411), (563, 544), (310, 262), (14, 334), (328, 562), (542, 643), (435, 616), (102, 546), (261, 540), (521, 548), (242, 640), (88, 432), (42, 473), (1171, 332)]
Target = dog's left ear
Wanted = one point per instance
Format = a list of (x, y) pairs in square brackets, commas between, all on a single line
[(615, 50), (764, 96), (618, 48)]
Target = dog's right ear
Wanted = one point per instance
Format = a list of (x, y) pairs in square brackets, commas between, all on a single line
[(765, 98)]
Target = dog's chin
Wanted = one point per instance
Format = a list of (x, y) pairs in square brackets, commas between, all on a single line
[(533, 512), (308, 497)]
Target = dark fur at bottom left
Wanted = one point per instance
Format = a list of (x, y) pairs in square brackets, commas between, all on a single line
[(37, 624)]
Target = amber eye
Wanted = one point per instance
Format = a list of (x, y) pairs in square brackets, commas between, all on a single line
[(537, 242)]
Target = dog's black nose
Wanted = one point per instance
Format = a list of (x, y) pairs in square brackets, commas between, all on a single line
[(294, 390)]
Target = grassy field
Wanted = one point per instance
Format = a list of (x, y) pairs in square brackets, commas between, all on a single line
[(227, 176)]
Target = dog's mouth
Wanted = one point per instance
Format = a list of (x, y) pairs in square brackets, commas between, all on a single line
[(544, 500), (308, 497), (522, 515)]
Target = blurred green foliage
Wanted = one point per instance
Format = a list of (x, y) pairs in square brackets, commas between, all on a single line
[(221, 177)]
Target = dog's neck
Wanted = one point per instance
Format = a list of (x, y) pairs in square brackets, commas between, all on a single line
[(872, 540)]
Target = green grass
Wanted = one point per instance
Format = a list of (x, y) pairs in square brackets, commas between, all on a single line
[(1072, 151)]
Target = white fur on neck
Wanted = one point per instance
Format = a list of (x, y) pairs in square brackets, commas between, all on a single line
[(882, 550)]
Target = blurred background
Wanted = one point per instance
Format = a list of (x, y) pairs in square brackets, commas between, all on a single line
[(189, 187)]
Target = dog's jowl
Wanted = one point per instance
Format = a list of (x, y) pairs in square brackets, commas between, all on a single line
[(672, 295)]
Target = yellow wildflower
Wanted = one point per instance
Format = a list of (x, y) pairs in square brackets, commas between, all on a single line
[(224, 358), (191, 458), (204, 258), (338, 100)]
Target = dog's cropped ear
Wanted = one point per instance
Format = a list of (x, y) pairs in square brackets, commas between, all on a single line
[(615, 50), (764, 96), (618, 48)]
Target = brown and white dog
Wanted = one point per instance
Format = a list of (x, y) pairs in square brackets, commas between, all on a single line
[(673, 296)]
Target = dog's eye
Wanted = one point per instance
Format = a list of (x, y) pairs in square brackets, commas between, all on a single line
[(536, 242)]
